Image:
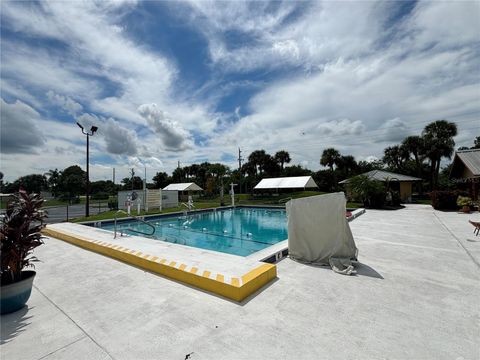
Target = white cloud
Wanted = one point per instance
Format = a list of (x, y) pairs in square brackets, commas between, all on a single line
[(341, 127), (173, 135), (20, 130), (65, 102), (119, 140), (394, 130)]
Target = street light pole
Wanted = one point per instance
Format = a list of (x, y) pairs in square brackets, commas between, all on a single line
[(92, 131)]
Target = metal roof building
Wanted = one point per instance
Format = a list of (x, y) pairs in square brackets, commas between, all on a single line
[(466, 164), (466, 168), (404, 182), (381, 175)]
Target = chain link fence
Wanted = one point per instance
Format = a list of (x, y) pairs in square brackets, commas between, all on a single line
[(61, 213)]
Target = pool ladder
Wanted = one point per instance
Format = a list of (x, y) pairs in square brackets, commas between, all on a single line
[(129, 229)]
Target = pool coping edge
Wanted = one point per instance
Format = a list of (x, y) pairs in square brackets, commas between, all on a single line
[(237, 289)]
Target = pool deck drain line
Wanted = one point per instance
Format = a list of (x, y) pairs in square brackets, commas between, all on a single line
[(238, 288)]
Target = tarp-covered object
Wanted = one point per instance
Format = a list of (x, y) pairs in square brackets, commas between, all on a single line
[(318, 232)]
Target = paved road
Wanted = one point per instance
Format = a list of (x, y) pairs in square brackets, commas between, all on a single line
[(59, 213)]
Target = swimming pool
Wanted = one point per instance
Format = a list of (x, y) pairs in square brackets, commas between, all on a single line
[(239, 231)]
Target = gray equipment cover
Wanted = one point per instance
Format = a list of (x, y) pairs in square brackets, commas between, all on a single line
[(318, 232)]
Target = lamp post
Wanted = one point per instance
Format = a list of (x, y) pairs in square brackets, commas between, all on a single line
[(92, 131)]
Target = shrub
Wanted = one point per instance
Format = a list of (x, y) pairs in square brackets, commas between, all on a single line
[(113, 204), (464, 201), (370, 192), (446, 199), (71, 200), (100, 196), (20, 234)]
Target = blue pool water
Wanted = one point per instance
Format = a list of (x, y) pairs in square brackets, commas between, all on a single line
[(240, 231)]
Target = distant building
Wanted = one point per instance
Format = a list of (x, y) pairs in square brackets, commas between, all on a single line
[(404, 182), (466, 169)]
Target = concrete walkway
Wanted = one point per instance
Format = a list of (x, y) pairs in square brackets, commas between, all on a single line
[(416, 296)]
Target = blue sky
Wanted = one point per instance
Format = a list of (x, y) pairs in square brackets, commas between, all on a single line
[(194, 80)]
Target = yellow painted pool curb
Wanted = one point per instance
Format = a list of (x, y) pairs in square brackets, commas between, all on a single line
[(236, 290)]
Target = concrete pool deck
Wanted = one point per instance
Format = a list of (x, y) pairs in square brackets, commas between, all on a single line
[(234, 277), (416, 296)]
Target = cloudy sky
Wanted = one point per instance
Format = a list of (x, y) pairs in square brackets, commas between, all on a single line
[(192, 81)]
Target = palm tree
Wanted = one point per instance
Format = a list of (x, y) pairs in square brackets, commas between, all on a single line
[(53, 179), (282, 157), (248, 169), (257, 158), (415, 145), (439, 143), (330, 157), (394, 157), (347, 165)]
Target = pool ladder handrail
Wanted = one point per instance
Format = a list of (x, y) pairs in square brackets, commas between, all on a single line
[(189, 206), (135, 231)]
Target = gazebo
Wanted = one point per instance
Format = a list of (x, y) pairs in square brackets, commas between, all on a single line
[(466, 169), (405, 182)]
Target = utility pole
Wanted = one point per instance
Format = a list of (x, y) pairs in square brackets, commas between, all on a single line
[(239, 159), (178, 166), (240, 168), (145, 190), (113, 175), (132, 172)]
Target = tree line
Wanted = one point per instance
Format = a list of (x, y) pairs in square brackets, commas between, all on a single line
[(418, 155)]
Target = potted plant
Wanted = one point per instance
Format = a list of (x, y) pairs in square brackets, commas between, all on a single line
[(465, 202), (19, 235)]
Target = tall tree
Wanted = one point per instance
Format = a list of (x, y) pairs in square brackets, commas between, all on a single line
[(53, 179), (415, 146), (258, 158), (33, 183), (270, 167), (72, 181), (160, 180), (132, 183), (330, 157), (249, 169), (439, 143), (347, 166), (282, 157), (178, 175), (395, 156)]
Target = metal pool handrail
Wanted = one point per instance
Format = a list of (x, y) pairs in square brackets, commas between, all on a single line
[(135, 231)]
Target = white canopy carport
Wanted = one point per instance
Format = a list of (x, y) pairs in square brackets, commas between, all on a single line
[(183, 187), (293, 182)]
